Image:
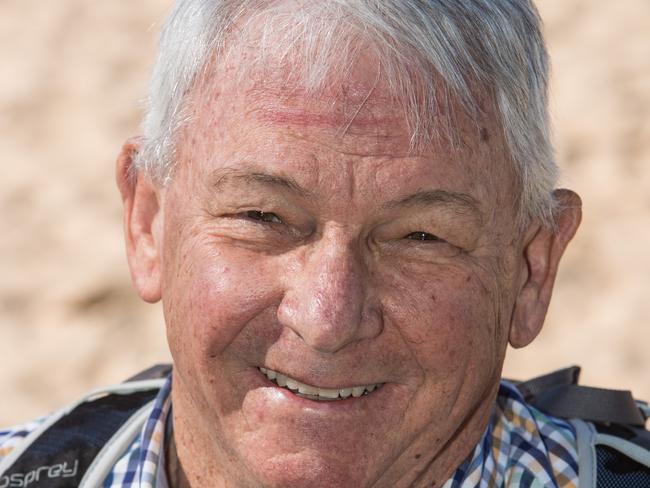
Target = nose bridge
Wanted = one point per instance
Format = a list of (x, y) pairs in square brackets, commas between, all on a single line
[(338, 290), (328, 300)]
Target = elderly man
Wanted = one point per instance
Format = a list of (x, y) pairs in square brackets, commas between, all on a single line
[(347, 209)]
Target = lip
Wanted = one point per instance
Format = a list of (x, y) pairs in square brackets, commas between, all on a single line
[(344, 404)]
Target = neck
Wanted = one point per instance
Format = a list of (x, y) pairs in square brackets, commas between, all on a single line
[(175, 475), (436, 468)]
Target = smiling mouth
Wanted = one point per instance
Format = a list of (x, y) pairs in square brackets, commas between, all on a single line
[(316, 393)]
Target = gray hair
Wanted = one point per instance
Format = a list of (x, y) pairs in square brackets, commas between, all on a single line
[(476, 47)]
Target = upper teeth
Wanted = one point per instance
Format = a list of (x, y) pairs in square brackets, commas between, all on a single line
[(314, 392)]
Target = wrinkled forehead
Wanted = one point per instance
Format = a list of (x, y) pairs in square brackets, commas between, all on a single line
[(323, 70), (272, 115), (362, 102), (355, 101), (353, 107), (356, 117)]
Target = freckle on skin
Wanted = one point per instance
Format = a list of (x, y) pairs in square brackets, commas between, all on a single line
[(418, 456), (485, 135), (433, 298)]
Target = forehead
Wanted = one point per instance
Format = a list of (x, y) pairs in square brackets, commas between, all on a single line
[(360, 114)]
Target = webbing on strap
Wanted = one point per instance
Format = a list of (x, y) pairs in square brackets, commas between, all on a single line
[(559, 395), (593, 404), (530, 389)]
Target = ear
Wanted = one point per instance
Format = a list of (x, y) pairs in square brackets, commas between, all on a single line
[(142, 221), (543, 248)]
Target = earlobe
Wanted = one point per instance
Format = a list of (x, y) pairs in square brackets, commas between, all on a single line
[(142, 221), (543, 249)]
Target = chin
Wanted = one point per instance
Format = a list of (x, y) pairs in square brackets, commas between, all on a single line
[(306, 469)]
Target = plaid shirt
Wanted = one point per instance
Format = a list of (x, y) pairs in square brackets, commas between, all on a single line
[(521, 447)]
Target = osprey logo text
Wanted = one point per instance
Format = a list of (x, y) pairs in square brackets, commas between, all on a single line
[(22, 480)]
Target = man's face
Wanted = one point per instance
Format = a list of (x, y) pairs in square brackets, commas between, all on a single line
[(300, 235)]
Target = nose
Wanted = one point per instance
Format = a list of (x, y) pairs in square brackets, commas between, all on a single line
[(328, 303)]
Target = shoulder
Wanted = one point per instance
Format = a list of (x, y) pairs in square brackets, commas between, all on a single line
[(111, 434), (13, 437)]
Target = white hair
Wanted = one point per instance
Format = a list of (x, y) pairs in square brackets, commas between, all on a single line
[(480, 49)]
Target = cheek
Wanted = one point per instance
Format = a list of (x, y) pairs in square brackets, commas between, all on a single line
[(210, 294), (447, 318)]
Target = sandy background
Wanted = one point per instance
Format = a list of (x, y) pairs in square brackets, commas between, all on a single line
[(73, 73)]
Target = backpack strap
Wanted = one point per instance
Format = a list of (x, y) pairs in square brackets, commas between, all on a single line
[(559, 395), (60, 452), (532, 388), (155, 372), (585, 439), (612, 456)]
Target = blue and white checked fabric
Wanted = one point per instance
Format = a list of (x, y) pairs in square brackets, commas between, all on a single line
[(141, 465), (521, 448)]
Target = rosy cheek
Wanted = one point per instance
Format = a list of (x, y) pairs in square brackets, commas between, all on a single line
[(217, 295)]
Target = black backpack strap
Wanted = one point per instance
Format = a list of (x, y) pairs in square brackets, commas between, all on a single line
[(531, 388), (59, 453), (559, 395), (593, 404)]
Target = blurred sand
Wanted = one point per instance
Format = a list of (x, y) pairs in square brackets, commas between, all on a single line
[(73, 75)]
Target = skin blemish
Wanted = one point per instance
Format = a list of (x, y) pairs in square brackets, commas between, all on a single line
[(485, 135), (418, 456)]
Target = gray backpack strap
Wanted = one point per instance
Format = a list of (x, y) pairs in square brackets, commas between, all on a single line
[(587, 466)]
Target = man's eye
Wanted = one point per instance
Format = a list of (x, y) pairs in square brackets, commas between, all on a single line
[(422, 236), (267, 217)]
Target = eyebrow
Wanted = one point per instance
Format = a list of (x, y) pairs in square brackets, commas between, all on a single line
[(223, 176), (460, 202)]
